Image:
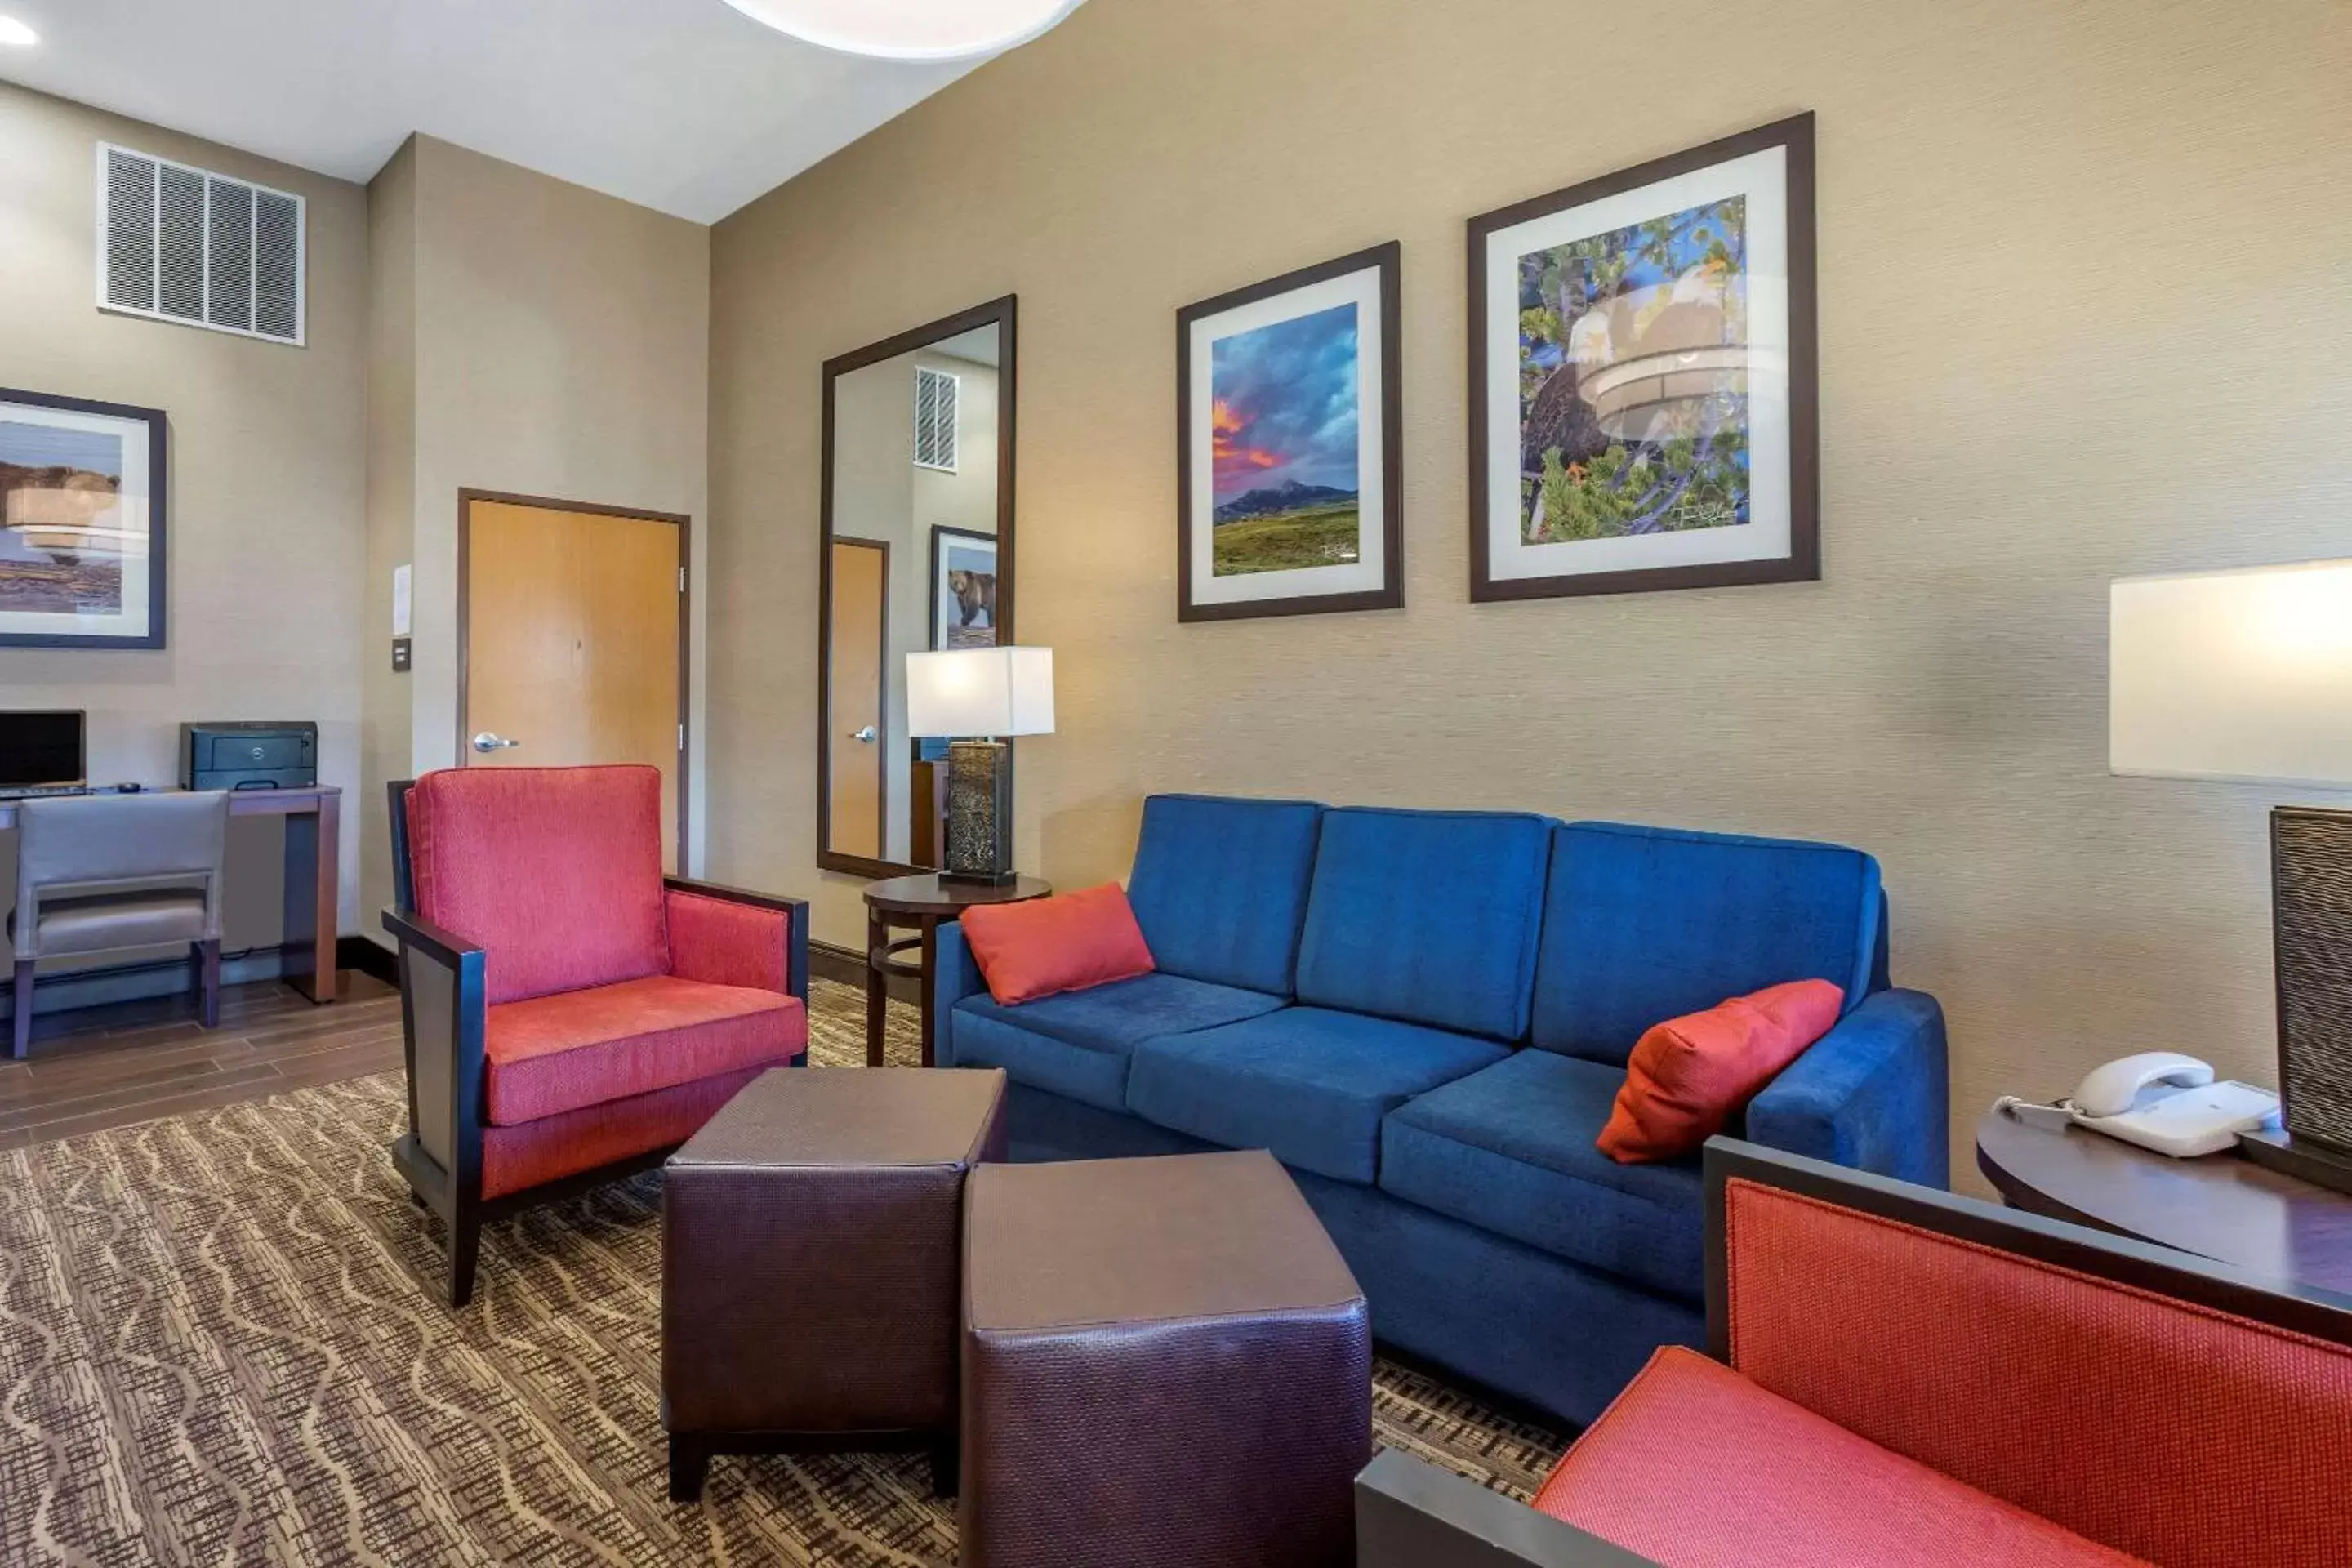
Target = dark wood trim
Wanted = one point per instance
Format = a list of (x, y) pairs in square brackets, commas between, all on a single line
[(1004, 314), (1803, 564), (2124, 1260), (1389, 595), (368, 958), (1411, 1514), (158, 485), (882, 720), (941, 531), (467, 497)]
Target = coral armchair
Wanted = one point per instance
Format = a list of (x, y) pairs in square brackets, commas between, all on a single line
[(570, 1014), (1902, 1378)]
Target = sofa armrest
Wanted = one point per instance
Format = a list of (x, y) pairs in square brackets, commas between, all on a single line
[(954, 976), (730, 936), (1872, 1094), (1411, 1514), (444, 1017)]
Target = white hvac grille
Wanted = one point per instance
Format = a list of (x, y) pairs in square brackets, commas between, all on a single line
[(935, 418), (186, 245)]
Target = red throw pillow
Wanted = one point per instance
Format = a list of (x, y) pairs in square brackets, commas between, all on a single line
[(1067, 942), (1689, 1075)]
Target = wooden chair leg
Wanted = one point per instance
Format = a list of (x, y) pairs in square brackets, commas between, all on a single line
[(465, 1249), (208, 981), (689, 1462), (21, 1045)]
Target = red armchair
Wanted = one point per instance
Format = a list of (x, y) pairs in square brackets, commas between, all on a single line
[(570, 1014), (1902, 1377)]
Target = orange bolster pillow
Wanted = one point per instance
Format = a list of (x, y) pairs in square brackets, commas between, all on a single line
[(1690, 1075), (1070, 941)]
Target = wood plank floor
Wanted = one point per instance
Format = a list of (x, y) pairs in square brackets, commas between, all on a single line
[(95, 1067)]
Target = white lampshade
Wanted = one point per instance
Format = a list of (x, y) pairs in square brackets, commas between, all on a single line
[(969, 692), (910, 29), (2240, 675)]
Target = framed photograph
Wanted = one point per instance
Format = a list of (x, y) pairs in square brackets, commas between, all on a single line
[(964, 589), (1288, 430), (82, 522), (1642, 380)]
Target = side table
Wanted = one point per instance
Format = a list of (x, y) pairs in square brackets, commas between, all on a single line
[(921, 902), (2222, 1206)]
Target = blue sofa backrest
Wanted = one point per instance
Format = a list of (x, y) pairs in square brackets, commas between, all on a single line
[(1220, 886), (1427, 916), (1643, 925)]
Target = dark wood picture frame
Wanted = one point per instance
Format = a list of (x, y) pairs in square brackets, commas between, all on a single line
[(1003, 315), (159, 485), (940, 533), (1794, 135), (467, 497), (1388, 260)]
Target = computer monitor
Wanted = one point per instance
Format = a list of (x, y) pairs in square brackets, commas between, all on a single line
[(39, 748)]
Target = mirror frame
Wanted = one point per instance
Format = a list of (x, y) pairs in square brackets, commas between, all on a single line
[(1001, 314)]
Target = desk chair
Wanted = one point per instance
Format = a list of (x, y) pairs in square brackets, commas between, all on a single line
[(98, 872)]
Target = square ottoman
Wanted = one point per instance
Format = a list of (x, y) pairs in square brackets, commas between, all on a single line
[(1165, 1361), (811, 1261)]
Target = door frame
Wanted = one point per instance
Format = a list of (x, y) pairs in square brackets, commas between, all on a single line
[(882, 746), (1004, 314), (467, 496)]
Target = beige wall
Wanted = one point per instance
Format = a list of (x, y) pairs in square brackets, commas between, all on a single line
[(387, 710), (266, 460), (2081, 271), (558, 346)]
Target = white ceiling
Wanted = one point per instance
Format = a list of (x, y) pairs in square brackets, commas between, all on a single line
[(687, 106)]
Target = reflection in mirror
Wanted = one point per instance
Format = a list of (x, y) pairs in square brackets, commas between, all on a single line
[(918, 500)]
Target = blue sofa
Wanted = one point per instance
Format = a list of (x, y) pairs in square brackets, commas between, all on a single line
[(1426, 1014)]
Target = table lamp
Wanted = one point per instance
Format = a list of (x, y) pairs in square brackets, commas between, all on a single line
[(974, 697), (2247, 676)]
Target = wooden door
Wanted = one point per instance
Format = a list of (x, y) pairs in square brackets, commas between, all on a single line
[(575, 641), (857, 754)]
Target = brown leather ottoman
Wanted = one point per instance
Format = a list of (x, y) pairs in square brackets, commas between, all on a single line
[(1165, 1361), (812, 1259)]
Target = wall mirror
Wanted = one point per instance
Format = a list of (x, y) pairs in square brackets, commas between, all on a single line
[(918, 554)]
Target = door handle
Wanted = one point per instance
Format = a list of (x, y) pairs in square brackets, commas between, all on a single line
[(866, 734), (486, 742)]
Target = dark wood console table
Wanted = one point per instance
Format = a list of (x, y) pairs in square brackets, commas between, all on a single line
[(922, 902), (314, 877), (2222, 1206)]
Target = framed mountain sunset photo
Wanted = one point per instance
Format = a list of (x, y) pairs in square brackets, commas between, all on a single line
[(1288, 426), (1643, 407)]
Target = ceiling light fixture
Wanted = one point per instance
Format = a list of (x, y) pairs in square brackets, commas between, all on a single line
[(15, 35), (910, 29)]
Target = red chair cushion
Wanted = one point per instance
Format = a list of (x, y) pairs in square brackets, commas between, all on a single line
[(516, 1158), (574, 1049), (556, 872), (728, 944), (2189, 1436), (1688, 1077), (1072, 942), (1695, 1467)]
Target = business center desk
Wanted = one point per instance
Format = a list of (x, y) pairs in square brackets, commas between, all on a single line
[(314, 882)]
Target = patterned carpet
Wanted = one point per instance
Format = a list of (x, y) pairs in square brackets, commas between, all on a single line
[(219, 1343)]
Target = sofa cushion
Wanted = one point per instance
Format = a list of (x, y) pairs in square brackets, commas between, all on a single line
[(556, 872), (1077, 1044), (1071, 942), (1695, 1467), (1511, 1150), (572, 1050), (1309, 1084), (1427, 916), (1641, 924), (1220, 884)]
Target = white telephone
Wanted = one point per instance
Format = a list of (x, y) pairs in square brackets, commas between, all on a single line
[(2162, 1100)]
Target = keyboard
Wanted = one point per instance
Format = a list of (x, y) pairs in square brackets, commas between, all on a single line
[(41, 792)]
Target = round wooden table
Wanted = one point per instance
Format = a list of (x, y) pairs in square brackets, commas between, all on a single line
[(921, 901), (2222, 1206)]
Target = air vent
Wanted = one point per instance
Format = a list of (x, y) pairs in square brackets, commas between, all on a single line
[(935, 419), (180, 243)]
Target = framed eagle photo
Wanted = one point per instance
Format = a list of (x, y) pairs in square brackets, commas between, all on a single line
[(1289, 428), (1643, 379)]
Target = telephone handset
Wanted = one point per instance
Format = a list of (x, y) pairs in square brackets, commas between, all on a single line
[(2192, 1115)]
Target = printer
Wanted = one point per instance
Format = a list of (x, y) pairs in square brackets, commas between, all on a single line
[(249, 754)]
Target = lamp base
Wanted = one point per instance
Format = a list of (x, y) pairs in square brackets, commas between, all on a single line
[(980, 813), (2312, 1162)]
